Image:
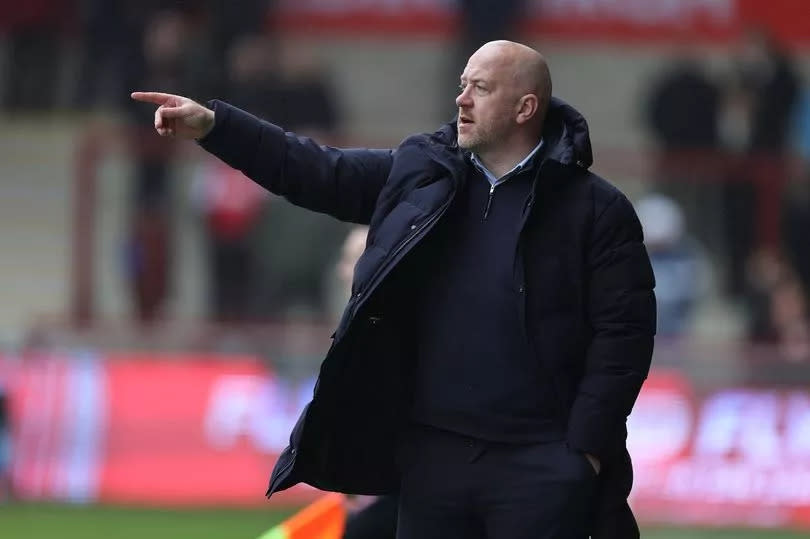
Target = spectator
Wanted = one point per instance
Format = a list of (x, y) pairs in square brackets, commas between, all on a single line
[(226, 27), (230, 205), (164, 59), (802, 126), (35, 30), (682, 113), (763, 94), (796, 223), (677, 265), (765, 72), (682, 110), (111, 36), (339, 279), (796, 209), (252, 75), (778, 305), (293, 247)]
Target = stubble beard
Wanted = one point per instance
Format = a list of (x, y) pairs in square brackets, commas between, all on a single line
[(474, 141)]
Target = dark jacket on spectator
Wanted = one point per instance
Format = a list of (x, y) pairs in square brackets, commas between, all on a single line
[(585, 280)]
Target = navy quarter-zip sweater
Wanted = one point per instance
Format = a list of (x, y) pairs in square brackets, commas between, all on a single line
[(476, 372)]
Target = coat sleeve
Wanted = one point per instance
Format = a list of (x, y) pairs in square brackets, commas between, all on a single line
[(343, 183), (621, 311)]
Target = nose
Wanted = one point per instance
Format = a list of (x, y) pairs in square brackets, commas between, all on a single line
[(463, 99)]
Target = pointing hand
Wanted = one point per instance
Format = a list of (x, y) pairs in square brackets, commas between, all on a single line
[(177, 115)]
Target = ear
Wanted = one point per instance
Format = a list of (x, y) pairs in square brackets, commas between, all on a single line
[(527, 108)]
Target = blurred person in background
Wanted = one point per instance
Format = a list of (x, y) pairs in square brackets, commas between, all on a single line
[(252, 75), (230, 206), (166, 44), (502, 315), (796, 212), (682, 113), (683, 106), (677, 264), (35, 32), (778, 305), (287, 84), (225, 28), (802, 127), (765, 72), (111, 37), (164, 61), (483, 21), (339, 279), (761, 102)]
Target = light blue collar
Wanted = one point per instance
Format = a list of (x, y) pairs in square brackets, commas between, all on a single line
[(517, 168)]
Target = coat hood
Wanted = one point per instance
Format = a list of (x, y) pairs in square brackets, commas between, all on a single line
[(566, 133)]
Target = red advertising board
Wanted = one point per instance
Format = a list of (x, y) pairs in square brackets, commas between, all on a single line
[(734, 456), (577, 20), (207, 430), (165, 443), (147, 429)]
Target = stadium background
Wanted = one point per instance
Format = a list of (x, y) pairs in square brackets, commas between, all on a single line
[(149, 383)]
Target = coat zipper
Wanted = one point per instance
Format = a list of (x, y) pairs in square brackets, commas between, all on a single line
[(489, 201)]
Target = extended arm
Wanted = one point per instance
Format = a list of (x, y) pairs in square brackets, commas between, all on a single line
[(342, 183)]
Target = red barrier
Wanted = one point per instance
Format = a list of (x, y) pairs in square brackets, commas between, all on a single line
[(164, 442), (205, 430), (167, 430), (736, 456)]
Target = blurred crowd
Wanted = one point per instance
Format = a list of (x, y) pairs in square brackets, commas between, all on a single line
[(724, 213), (731, 190), (206, 49), (259, 267)]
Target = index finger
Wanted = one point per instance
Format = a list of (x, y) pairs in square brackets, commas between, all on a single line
[(153, 97)]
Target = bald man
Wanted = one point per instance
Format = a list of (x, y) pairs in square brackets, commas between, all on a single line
[(501, 319)]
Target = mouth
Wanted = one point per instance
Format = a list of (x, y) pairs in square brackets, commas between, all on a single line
[(464, 121)]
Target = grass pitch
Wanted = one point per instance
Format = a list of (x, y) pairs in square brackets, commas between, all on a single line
[(45, 521)]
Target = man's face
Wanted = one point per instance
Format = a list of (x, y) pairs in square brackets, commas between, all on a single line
[(486, 104)]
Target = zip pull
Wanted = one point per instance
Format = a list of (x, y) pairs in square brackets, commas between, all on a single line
[(489, 202)]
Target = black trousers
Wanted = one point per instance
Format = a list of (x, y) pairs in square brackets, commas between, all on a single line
[(461, 488), (377, 521)]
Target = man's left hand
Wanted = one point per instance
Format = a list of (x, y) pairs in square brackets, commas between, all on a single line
[(597, 466)]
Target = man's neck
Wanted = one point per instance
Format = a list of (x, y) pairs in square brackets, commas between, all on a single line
[(502, 161)]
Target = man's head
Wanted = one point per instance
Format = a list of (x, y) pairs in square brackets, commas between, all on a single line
[(505, 91)]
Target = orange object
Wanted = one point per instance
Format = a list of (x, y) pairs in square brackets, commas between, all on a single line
[(325, 518)]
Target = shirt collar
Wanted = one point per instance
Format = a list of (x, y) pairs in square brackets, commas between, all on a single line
[(517, 168)]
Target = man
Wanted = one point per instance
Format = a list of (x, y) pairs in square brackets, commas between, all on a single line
[(502, 315)]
